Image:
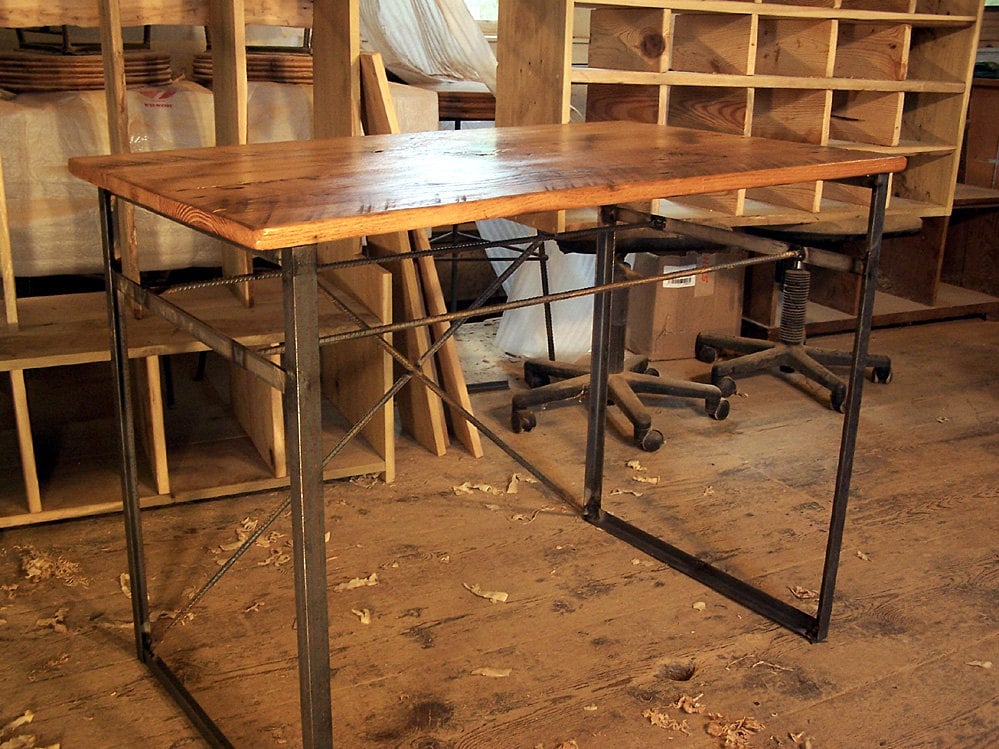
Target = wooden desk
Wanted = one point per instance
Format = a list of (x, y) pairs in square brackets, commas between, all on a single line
[(278, 195), (285, 197)]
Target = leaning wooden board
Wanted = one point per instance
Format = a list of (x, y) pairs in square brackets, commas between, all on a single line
[(421, 411), (381, 119), (452, 374)]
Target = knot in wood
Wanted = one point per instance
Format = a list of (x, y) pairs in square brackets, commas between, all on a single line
[(653, 44)]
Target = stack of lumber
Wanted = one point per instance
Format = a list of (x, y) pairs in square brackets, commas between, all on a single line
[(22, 70), (416, 293), (276, 66)]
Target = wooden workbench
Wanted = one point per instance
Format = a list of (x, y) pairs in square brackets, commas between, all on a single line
[(287, 197)]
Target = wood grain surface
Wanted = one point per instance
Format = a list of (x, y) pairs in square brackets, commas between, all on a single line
[(274, 195), (593, 632)]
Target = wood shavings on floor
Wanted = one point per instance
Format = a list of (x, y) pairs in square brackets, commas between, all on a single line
[(39, 566)]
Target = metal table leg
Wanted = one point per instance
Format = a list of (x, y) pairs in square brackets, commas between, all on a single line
[(814, 628), (599, 365), (848, 441), (126, 434), (303, 421), (135, 551)]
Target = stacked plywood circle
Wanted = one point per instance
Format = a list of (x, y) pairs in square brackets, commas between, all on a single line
[(271, 65), (22, 70)]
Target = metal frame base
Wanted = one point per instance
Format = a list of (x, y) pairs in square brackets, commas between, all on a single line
[(299, 382)]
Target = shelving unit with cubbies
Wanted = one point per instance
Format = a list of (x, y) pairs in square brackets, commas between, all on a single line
[(52, 344), (874, 75)]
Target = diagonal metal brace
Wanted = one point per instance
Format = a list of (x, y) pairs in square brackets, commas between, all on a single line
[(228, 348)]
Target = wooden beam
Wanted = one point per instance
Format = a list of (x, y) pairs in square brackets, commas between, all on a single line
[(448, 361), (380, 118), (113, 56), (336, 88), (7, 284), (533, 88), (229, 90)]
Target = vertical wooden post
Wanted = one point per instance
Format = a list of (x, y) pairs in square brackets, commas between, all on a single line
[(336, 86), (6, 260), (19, 395), (149, 390), (354, 373), (533, 56), (113, 57), (634, 39), (229, 89)]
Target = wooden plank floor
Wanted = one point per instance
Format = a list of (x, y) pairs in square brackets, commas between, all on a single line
[(593, 633)]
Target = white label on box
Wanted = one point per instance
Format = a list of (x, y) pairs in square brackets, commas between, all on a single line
[(678, 283)]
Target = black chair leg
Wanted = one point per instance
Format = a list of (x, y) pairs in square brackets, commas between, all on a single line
[(624, 385), (790, 353), (623, 390), (627, 378)]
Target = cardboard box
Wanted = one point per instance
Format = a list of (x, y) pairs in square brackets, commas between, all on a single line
[(665, 318)]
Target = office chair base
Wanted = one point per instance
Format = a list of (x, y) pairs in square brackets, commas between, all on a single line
[(753, 356), (624, 387)]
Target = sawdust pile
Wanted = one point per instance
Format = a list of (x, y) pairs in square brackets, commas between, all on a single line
[(734, 734), (12, 736), (39, 566), (660, 719)]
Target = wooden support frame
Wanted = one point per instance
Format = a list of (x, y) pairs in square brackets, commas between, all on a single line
[(380, 118), (352, 389), (18, 391), (862, 76)]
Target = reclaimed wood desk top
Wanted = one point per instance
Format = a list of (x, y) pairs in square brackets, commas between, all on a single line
[(274, 195)]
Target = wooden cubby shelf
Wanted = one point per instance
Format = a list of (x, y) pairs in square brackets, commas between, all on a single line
[(889, 76), (215, 436)]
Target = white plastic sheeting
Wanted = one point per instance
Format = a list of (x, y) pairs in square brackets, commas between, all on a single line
[(426, 41), (53, 216), (522, 331)]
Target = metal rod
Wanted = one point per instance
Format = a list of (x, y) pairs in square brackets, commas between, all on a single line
[(714, 234), (731, 587), (303, 424), (730, 237), (123, 407), (230, 349), (454, 248), (220, 573), (453, 301), (486, 294), (545, 291), (848, 441), (555, 297), (563, 493), (208, 729)]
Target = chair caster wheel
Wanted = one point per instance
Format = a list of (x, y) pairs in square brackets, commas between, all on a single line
[(705, 353), (534, 378), (837, 398), (717, 410), (522, 420), (726, 385), (651, 441), (651, 372), (882, 375)]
